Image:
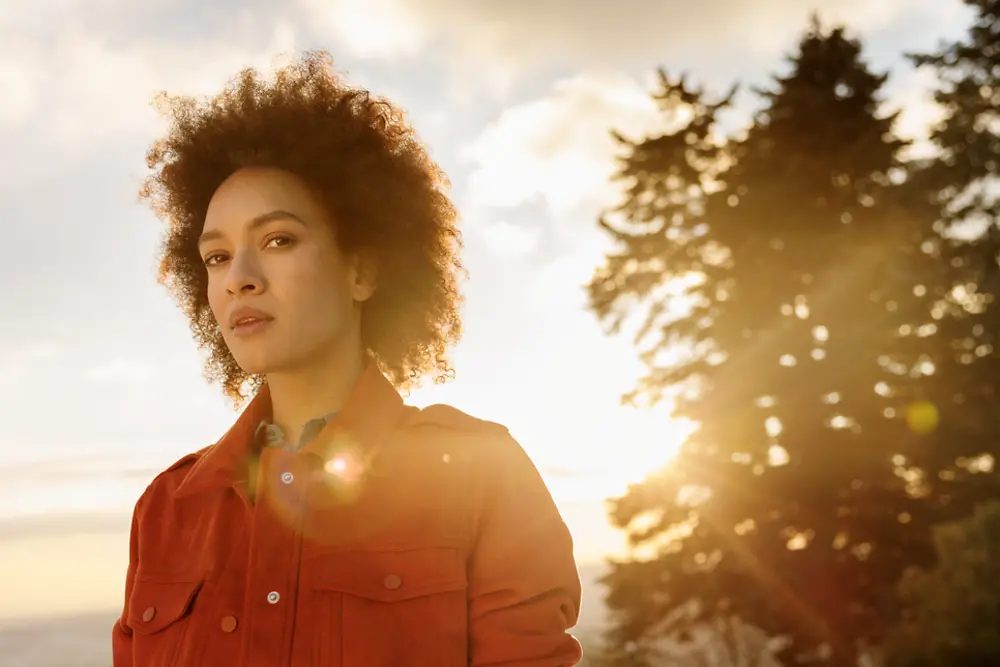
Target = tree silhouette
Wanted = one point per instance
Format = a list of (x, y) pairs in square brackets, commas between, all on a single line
[(960, 182), (963, 175), (796, 292)]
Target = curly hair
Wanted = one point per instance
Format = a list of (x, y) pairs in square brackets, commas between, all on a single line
[(363, 159)]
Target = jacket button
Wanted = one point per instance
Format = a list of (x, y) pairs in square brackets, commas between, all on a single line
[(229, 623), (148, 615), (393, 581)]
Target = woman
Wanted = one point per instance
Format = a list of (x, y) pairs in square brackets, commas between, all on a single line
[(312, 246)]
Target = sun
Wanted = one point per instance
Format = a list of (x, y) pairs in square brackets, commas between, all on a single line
[(652, 438), (622, 447)]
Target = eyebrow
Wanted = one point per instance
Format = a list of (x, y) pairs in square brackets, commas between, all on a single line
[(258, 221)]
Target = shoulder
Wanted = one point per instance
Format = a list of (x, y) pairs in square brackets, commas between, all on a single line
[(505, 482), (166, 482), (452, 419), (473, 437), (177, 471), (486, 445)]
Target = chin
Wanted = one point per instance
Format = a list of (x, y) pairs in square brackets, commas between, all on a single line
[(257, 362), (265, 362), (254, 367)]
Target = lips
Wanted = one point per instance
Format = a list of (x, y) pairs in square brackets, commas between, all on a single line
[(248, 320), (244, 318)]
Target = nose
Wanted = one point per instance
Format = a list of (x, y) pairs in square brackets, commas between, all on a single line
[(244, 275)]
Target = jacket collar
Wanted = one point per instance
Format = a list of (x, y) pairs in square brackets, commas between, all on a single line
[(372, 411)]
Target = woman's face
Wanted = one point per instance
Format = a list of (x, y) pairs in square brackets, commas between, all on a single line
[(283, 293)]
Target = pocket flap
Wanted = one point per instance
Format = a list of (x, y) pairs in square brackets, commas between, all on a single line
[(389, 576), (154, 605)]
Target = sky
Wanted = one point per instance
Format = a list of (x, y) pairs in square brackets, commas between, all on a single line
[(100, 382)]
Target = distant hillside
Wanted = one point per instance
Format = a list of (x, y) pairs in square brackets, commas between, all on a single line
[(593, 614), (72, 641)]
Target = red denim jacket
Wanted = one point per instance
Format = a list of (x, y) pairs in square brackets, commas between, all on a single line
[(398, 537)]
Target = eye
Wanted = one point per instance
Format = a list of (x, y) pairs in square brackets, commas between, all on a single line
[(279, 241), (214, 258)]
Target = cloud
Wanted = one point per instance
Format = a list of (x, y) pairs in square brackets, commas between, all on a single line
[(39, 493), (379, 29), (507, 238), (123, 370), (559, 146), (522, 33), (918, 112), (78, 87), (19, 360), (28, 352), (18, 82), (68, 523), (75, 468)]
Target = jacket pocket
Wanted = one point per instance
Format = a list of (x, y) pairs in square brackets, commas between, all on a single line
[(158, 615), (399, 608)]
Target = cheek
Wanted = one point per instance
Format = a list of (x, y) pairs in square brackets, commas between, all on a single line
[(313, 283), (322, 302)]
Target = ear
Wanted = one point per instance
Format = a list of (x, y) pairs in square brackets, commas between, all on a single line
[(365, 274)]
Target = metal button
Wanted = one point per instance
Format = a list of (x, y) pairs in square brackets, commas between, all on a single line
[(229, 623), (148, 615), (393, 581), (273, 597), (287, 477)]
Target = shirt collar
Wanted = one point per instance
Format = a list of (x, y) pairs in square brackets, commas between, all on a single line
[(372, 410), (271, 435)]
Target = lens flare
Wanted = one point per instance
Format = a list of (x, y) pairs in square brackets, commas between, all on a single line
[(922, 417), (346, 466)]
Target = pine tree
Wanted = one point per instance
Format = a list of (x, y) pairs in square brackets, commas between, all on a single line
[(960, 182), (806, 349), (963, 174)]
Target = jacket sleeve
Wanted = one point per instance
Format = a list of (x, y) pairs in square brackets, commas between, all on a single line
[(121, 634), (524, 588)]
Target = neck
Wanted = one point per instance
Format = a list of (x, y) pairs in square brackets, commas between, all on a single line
[(314, 391)]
